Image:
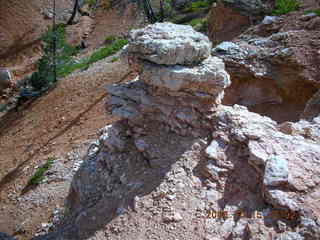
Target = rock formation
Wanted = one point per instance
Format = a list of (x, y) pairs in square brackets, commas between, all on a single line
[(180, 165), (273, 65), (179, 81)]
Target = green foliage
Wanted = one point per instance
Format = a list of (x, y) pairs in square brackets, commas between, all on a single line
[(316, 11), (195, 22), (167, 10), (115, 59), (107, 51), (198, 21), (199, 24), (110, 39), (44, 77), (38, 176), (70, 68), (199, 5), (285, 6), (100, 54), (203, 27), (91, 2)]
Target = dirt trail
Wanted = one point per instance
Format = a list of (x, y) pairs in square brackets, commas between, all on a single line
[(50, 127)]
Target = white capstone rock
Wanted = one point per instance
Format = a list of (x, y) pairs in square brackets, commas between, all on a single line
[(169, 44)]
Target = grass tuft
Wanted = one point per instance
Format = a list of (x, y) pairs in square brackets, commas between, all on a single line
[(285, 6), (110, 39), (316, 11), (199, 5), (107, 51), (199, 24), (39, 175), (91, 2), (98, 55), (115, 59)]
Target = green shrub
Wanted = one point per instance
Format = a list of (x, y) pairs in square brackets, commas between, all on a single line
[(195, 22), (38, 176), (43, 78), (115, 59), (70, 68), (199, 5), (285, 6), (100, 54), (316, 11), (167, 11), (107, 51), (110, 39), (199, 24), (91, 2)]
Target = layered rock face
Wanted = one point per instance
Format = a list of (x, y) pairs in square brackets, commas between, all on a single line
[(273, 65), (180, 165)]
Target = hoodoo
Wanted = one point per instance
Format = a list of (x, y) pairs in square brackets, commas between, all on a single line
[(177, 153)]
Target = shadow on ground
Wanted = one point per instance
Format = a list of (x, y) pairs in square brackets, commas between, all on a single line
[(106, 184)]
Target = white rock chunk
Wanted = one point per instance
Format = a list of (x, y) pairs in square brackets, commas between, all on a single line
[(276, 171), (169, 44)]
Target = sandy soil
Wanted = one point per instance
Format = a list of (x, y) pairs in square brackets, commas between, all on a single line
[(56, 123)]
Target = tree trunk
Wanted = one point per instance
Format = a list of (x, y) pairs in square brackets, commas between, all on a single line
[(75, 10), (161, 11)]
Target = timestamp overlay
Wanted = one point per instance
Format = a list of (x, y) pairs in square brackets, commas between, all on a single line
[(268, 217), (281, 214)]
